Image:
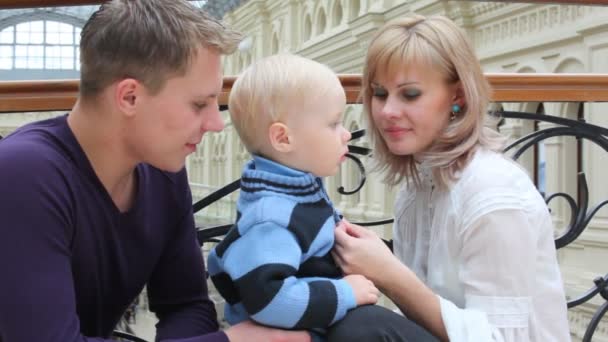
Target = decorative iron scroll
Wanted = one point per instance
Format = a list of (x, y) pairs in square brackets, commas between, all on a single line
[(580, 214), (352, 152)]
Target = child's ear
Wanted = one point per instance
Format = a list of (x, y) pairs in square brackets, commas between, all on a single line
[(278, 134)]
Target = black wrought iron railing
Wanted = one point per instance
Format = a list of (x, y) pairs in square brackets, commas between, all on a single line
[(580, 211)]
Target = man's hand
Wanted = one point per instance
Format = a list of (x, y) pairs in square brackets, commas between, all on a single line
[(251, 332)]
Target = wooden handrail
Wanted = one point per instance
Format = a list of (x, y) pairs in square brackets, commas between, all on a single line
[(25, 96), (549, 87)]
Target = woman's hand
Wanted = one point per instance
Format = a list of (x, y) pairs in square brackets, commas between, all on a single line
[(250, 332), (360, 251)]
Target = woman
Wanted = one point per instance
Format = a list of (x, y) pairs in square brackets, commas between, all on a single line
[(474, 257)]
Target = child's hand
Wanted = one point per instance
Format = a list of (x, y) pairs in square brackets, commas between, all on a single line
[(365, 291)]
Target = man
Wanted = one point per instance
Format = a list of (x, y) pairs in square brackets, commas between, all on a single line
[(95, 204)]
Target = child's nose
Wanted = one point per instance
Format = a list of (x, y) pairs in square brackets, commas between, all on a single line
[(347, 135)]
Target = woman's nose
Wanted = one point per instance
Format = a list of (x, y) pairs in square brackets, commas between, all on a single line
[(390, 108)]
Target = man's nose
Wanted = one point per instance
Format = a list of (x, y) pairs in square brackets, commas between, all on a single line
[(214, 122)]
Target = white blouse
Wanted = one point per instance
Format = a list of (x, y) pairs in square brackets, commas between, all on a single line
[(486, 248)]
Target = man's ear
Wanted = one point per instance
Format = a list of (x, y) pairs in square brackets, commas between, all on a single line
[(279, 136), (126, 94)]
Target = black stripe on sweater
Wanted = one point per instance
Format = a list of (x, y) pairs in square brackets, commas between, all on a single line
[(226, 288), (324, 266), (306, 221), (322, 305), (233, 235), (291, 193), (278, 185), (259, 286)]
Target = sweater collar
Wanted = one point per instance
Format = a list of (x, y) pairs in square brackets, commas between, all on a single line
[(262, 169), (266, 165)]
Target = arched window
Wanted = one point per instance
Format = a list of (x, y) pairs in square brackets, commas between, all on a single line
[(355, 7), (337, 14), (42, 44), (307, 28), (321, 22), (274, 45)]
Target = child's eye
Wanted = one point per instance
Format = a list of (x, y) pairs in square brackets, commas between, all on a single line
[(200, 106)]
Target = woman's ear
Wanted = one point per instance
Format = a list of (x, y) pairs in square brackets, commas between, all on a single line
[(279, 137), (459, 97)]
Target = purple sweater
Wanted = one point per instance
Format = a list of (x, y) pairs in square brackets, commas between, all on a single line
[(71, 263)]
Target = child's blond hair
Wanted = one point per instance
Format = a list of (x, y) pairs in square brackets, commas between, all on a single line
[(272, 88)]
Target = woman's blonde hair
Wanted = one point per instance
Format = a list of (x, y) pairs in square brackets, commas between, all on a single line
[(439, 43), (274, 87)]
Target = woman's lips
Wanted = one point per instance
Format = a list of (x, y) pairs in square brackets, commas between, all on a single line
[(396, 132)]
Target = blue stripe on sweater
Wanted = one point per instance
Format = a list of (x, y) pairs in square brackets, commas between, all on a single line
[(263, 244)]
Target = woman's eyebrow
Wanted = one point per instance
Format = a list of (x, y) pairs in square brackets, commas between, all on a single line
[(406, 83)]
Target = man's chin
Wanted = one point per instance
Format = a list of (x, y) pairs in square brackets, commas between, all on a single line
[(168, 167)]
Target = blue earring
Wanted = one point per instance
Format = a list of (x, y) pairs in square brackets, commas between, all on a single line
[(455, 110)]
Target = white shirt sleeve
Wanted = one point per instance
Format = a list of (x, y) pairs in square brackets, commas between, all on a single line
[(498, 274)]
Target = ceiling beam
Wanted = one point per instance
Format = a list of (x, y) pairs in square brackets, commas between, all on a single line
[(8, 4), (12, 4)]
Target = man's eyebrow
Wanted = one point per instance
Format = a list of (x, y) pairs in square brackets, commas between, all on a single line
[(206, 96)]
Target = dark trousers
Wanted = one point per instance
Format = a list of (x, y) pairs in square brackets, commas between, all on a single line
[(371, 323)]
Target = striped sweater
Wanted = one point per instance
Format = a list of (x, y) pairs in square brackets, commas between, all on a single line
[(274, 264)]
